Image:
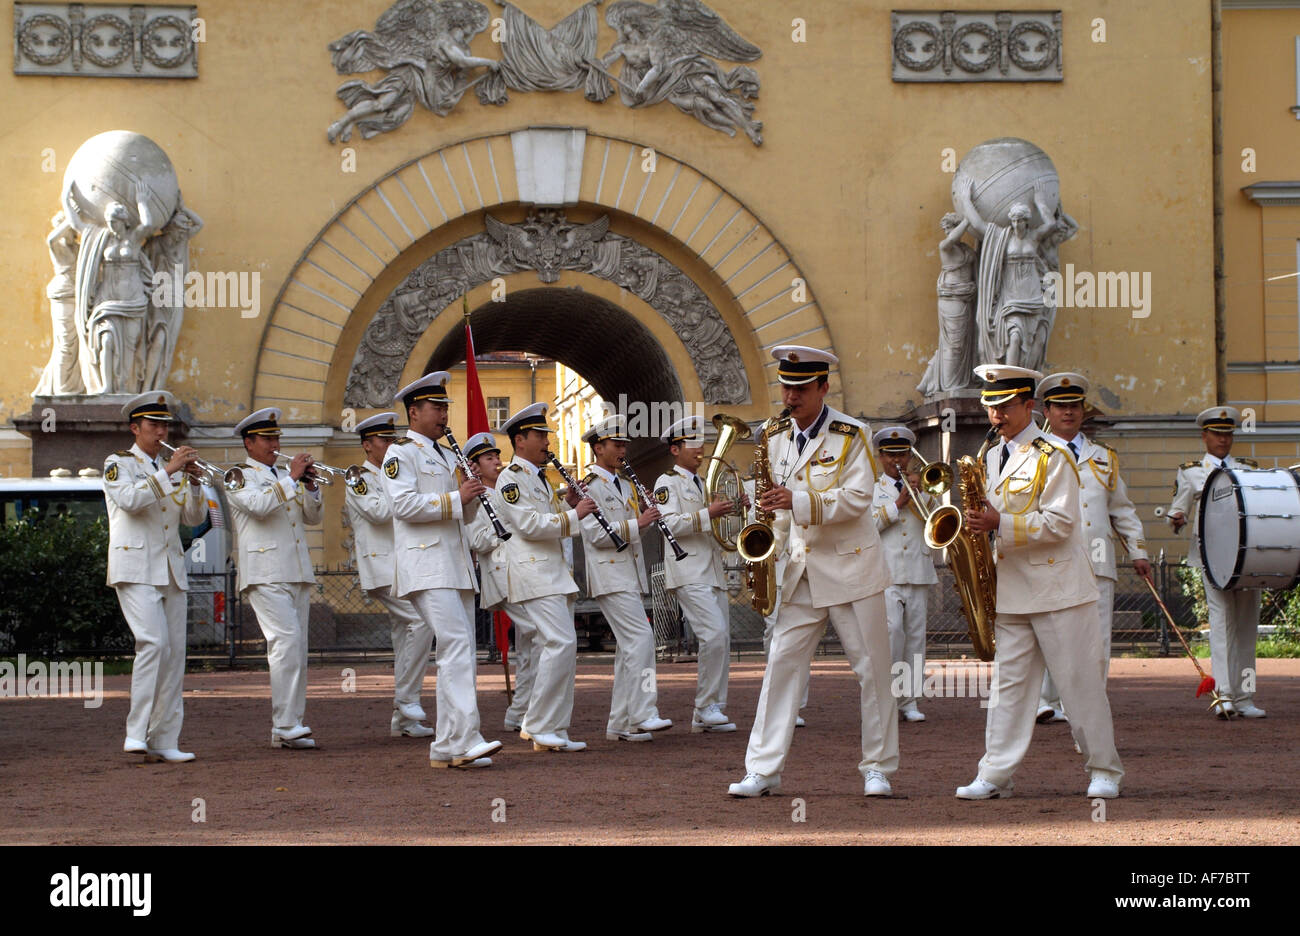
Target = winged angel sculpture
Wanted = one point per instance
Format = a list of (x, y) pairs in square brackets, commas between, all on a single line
[(668, 50)]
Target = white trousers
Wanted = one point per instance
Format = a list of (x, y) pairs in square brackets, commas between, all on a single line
[(412, 639), (282, 611), (555, 662), (635, 695), (865, 638), (1234, 626), (769, 621), (709, 613), (905, 614), (524, 659), (156, 615), (1066, 641), (1105, 613), (449, 614)]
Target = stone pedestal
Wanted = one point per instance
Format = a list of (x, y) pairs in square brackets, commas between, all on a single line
[(949, 426), (76, 432)]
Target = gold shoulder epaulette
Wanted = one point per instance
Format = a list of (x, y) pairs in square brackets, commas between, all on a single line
[(591, 476), (844, 428), (125, 454), (1248, 461), (514, 467), (781, 425), (1047, 448), (1190, 464), (404, 440)]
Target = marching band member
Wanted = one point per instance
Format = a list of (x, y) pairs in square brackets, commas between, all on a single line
[(433, 568), (1103, 503), (697, 582), (482, 452), (1234, 615), (1046, 593), (911, 562), (822, 474), (271, 508), (617, 580), (147, 569), (370, 515), (540, 590)]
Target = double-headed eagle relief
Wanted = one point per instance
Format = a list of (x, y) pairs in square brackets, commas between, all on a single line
[(668, 51)]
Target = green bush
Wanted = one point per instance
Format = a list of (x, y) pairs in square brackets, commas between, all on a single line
[(53, 599), (1283, 642)]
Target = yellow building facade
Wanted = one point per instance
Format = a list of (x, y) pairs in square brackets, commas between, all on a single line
[(825, 235)]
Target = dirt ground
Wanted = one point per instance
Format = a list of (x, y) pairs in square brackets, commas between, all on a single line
[(1191, 779)]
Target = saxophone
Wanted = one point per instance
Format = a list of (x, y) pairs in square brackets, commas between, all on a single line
[(756, 543), (970, 557)]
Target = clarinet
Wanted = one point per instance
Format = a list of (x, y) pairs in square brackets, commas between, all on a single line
[(620, 544), (678, 553), (502, 533)]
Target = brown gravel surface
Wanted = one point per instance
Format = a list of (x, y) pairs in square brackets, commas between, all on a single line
[(1191, 778)]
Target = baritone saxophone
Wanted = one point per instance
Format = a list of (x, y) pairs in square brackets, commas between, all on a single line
[(756, 543), (970, 556)]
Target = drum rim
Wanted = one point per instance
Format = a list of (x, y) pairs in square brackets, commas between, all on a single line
[(1241, 529)]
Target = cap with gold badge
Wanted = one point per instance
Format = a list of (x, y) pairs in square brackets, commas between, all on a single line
[(532, 416), (429, 387), (688, 432), (156, 404), (1219, 419), (1064, 387), (611, 428), (800, 365), (265, 422), (1005, 382), (382, 425), (480, 443), (894, 440)]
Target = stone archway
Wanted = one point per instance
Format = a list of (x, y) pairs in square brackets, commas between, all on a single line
[(671, 224)]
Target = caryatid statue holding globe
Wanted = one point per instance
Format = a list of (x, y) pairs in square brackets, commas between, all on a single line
[(122, 220), (1007, 194)]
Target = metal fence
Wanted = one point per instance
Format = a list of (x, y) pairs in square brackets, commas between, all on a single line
[(345, 620)]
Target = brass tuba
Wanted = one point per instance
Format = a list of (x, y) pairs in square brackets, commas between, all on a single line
[(756, 543), (722, 480), (970, 555)]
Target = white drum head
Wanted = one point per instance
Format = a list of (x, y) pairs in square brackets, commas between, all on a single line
[(1222, 528), (1250, 528)]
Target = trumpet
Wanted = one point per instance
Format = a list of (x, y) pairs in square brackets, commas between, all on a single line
[(315, 468), (210, 471)]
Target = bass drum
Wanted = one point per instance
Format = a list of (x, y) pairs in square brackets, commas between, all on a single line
[(1250, 527)]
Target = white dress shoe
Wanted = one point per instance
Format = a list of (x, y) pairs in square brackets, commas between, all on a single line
[(294, 744), (876, 784), (550, 741), (1058, 715), (1045, 713), (1103, 788), (628, 736), (415, 730), (132, 746), (980, 788), (170, 755), (710, 715), (912, 714), (1250, 710), (799, 722), (653, 724), (477, 752), (755, 785), (699, 727), (412, 711), (291, 734)]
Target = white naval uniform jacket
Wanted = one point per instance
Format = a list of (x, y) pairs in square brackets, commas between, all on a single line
[(270, 517), (540, 523), (430, 548), (1187, 495), (490, 551), (609, 571), (1104, 503), (902, 535), (1042, 560), (829, 533), (685, 510), (145, 511), (370, 514)]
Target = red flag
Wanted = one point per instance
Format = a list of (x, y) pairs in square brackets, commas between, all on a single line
[(476, 418)]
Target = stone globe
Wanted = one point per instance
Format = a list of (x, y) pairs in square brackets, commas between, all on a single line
[(1004, 172), (124, 167)]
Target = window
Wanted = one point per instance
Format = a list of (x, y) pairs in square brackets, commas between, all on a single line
[(498, 408)]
